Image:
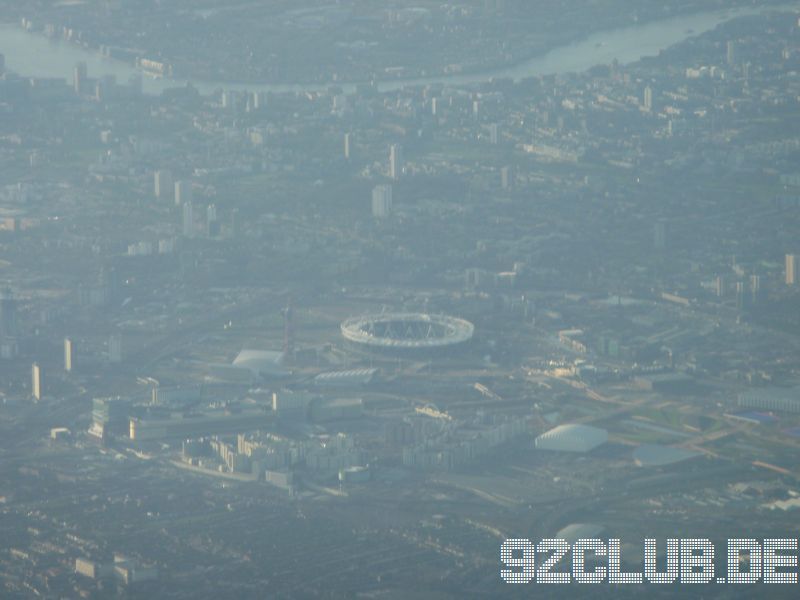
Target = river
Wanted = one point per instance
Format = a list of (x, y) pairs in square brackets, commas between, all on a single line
[(34, 55)]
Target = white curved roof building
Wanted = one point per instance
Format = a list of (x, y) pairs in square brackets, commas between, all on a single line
[(261, 362), (579, 531), (572, 438), (656, 455)]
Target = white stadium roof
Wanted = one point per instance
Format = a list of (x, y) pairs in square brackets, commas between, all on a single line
[(408, 331)]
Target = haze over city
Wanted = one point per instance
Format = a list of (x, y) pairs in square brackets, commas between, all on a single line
[(399, 300)]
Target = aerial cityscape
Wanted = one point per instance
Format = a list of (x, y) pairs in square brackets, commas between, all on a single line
[(329, 299)]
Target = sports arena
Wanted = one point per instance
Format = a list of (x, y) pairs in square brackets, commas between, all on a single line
[(407, 332)]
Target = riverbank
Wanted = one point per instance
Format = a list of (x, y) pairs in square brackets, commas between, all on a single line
[(34, 55)]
